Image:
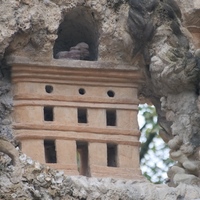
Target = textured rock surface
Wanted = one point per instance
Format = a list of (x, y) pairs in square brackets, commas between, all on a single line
[(164, 45), (171, 67), (191, 12), (29, 27), (31, 180), (6, 137)]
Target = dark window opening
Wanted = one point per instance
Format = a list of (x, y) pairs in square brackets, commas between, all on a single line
[(82, 115), (48, 113), (50, 151), (79, 26), (49, 88), (82, 158), (110, 93), (111, 155), (81, 91), (111, 117)]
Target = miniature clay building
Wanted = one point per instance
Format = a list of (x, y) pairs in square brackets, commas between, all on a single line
[(78, 116)]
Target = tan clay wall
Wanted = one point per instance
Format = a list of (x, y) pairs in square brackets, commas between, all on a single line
[(102, 95)]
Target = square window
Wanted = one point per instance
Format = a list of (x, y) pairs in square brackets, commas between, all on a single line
[(82, 158), (50, 151), (112, 155), (82, 115), (111, 117), (48, 113)]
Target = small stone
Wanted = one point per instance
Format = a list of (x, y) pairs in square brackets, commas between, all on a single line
[(185, 178), (37, 165), (37, 193), (22, 157), (13, 195), (48, 178), (59, 173), (41, 178), (53, 182), (29, 161), (59, 180), (103, 189), (175, 154), (189, 165)]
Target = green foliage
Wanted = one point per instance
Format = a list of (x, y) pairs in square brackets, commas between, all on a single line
[(154, 153)]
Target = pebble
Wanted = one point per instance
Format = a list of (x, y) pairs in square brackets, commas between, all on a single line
[(37, 165)]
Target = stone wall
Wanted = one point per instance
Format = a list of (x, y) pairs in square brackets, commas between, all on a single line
[(31, 180)]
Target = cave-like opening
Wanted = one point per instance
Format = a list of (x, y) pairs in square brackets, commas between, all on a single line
[(78, 26)]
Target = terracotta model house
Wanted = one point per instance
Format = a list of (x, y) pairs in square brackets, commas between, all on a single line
[(78, 116)]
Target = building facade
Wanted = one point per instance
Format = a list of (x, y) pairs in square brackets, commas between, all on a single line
[(78, 116)]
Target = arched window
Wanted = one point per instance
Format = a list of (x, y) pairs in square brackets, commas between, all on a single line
[(78, 26)]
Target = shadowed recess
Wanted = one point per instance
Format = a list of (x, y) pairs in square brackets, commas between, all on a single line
[(78, 26)]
